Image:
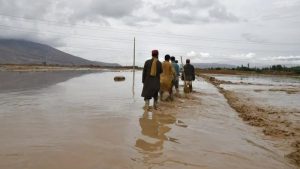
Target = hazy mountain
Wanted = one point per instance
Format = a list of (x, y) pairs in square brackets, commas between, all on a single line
[(212, 65), (26, 52)]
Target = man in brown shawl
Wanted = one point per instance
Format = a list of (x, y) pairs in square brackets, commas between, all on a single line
[(151, 80), (166, 79)]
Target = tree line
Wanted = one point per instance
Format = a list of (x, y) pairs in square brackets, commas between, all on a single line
[(272, 68)]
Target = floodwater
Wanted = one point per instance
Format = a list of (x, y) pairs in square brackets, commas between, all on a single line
[(262, 79), (81, 120), (271, 102), (282, 92)]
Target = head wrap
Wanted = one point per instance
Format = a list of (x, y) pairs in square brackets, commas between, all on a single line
[(155, 53), (154, 63)]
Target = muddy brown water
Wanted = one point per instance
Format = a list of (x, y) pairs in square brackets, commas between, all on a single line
[(261, 79), (280, 93), (89, 121)]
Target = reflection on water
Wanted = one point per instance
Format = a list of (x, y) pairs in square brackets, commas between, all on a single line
[(60, 121), (20, 81), (154, 128)]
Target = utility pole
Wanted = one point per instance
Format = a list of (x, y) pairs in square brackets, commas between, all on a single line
[(133, 69)]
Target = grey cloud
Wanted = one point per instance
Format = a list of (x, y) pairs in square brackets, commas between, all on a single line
[(34, 9), (220, 13), (49, 40), (292, 59), (99, 10), (157, 14), (201, 11), (140, 21), (253, 38), (114, 8), (31, 31), (287, 58), (284, 10), (75, 11)]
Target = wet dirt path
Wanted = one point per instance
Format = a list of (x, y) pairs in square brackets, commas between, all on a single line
[(85, 123), (211, 136)]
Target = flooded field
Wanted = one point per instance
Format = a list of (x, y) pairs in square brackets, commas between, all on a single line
[(276, 91), (268, 102), (75, 120), (262, 79)]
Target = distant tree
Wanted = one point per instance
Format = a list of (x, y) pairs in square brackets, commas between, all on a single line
[(296, 69), (277, 67)]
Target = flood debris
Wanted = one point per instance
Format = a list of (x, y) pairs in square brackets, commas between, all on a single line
[(119, 78)]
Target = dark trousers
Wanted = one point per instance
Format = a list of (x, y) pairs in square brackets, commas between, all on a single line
[(176, 83), (155, 97)]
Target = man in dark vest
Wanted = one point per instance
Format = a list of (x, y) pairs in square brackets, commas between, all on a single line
[(189, 74), (151, 80)]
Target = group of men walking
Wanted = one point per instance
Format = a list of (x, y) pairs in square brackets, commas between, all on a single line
[(163, 77)]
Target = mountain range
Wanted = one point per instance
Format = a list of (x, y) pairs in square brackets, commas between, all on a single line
[(27, 52)]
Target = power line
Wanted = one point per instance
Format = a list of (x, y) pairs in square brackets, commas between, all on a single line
[(63, 35), (274, 18), (126, 41), (160, 35)]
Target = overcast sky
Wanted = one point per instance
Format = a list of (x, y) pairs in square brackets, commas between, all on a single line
[(259, 32)]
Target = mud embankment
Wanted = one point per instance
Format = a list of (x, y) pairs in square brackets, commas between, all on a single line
[(274, 122)]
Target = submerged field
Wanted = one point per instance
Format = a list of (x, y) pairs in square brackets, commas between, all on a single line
[(268, 102), (75, 120)]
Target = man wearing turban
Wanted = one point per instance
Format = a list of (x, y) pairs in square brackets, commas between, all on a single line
[(151, 80)]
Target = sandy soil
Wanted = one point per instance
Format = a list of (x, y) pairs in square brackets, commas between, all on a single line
[(274, 122)]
